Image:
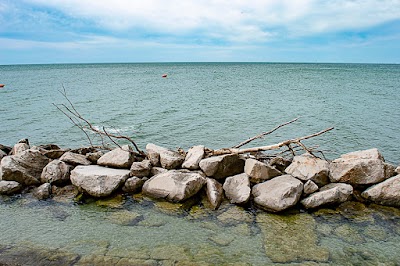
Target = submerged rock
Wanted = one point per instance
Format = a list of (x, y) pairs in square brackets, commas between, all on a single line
[(260, 172), (278, 194), (25, 168), (306, 167), (215, 192), (56, 172), (174, 185), (64, 194), (222, 166), (193, 157), (43, 191), (330, 194), (117, 158), (291, 238), (360, 168), (385, 193), (9, 187), (74, 159), (237, 188), (98, 181)]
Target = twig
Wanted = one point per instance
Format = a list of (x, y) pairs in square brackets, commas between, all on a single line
[(264, 134)]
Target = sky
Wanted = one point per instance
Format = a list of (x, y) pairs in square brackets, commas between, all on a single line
[(108, 31)]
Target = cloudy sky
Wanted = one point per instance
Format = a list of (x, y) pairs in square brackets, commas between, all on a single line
[(69, 31)]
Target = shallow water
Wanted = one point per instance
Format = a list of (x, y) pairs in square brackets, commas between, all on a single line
[(215, 104), (136, 231)]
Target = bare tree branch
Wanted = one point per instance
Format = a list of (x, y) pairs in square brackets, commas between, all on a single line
[(264, 133)]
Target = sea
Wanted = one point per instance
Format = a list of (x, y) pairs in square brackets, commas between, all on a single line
[(213, 104)]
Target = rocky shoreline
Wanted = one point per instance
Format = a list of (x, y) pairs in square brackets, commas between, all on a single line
[(272, 185)]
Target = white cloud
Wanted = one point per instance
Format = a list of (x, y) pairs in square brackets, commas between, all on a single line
[(235, 20)]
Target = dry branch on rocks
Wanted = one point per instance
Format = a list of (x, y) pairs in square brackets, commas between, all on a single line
[(83, 124)]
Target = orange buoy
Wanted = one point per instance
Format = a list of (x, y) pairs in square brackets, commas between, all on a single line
[(164, 75), (2, 85)]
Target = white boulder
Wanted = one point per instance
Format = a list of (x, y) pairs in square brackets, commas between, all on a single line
[(260, 172), (307, 167), (222, 166), (56, 172), (237, 188), (193, 157), (330, 194), (385, 193), (117, 158), (141, 169), (74, 158), (215, 192), (9, 187)]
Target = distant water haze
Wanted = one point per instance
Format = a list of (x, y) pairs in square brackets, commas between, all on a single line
[(214, 104)]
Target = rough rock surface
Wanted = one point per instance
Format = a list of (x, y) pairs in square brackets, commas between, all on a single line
[(222, 166), (74, 159), (117, 158), (260, 172), (157, 170), (385, 193), (360, 168), (43, 191), (174, 185), (306, 167), (193, 157), (2, 154), (56, 172), (310, 187), (153, 153), (330, 194), (25, 168), (397, 170), (133, 184), (98, 181), (19, 147), (171, 159), (215, 192), (141, 169), (94, 156), (237, 188), (280, 163), (9, 187), (278, 194)]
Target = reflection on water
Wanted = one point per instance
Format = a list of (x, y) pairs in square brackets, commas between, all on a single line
[(128, 230)]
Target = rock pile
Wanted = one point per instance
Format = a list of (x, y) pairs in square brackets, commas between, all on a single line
[(176, 176)]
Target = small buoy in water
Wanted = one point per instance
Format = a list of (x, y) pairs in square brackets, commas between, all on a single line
[(164, 75), (2, 85)]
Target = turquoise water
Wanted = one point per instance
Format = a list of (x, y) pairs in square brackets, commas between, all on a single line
[(215, 104)]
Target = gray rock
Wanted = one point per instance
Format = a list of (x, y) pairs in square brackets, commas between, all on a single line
[(260, 172), (306, 167), (74, 159), (98, 181), (94, 156), (385, 193), (171, 159), (133, 184), (42, 192), (153, 153), (141, 169), (278, 194), (174, 185), (19, 147), (280, 163), (193, 157), (25, 168), (53, 154), (9, 187), (117, 158), (215, 192), (397, 170), (2, 154), (157, 170), (310, 187), (222, 166), (237, 188), (330, 194), (56, 172), (360, 168)]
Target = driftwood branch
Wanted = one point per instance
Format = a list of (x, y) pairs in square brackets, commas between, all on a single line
[(269, 147), (82, 123), (264, 134)]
